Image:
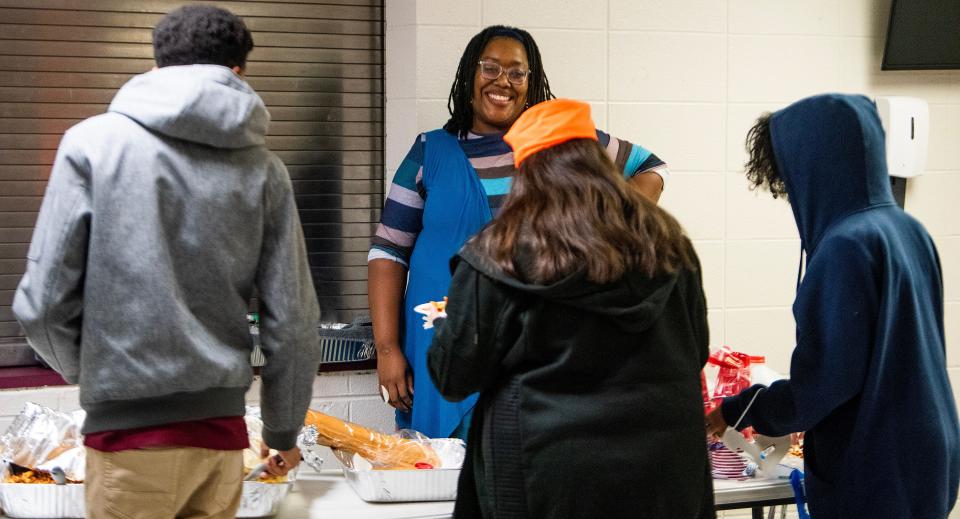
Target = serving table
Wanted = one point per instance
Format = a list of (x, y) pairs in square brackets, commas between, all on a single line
[(754, 494), (326, 495)]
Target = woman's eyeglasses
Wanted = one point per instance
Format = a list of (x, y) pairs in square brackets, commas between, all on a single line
[(491, 70)]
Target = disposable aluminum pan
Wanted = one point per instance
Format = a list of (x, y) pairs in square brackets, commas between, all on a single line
[(262, 499), (339, 342), (347, 343), (40, 500), (66, 501), (381, 486), (43, 501)]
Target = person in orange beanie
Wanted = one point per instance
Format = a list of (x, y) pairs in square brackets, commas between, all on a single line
[(579, 316)]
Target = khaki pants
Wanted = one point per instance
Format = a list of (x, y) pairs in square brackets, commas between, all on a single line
[(183, 482)]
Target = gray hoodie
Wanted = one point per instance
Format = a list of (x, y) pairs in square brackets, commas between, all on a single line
[(160, 220)]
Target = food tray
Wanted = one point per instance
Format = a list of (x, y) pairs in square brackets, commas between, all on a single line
[(347, 342), (262, 499), (41, 501), (381, 486), (339, 342)]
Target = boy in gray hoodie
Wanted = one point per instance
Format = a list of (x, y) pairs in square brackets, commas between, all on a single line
[(160, 220)]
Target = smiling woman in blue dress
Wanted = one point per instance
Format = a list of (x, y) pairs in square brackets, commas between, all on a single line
[(451, 183)]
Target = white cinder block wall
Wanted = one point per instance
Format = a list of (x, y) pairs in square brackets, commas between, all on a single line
[(686, 79)]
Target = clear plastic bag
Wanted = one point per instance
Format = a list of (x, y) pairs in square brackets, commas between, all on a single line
[(41, 438), (410, 450)]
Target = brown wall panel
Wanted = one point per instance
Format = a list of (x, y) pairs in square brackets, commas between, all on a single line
[(127, 20), (10, 329), (36, 32), (339, 243), (318, 65), (22, 187), (13, 250), (21, 235), (331, 172), (325, 10), (8, 282)]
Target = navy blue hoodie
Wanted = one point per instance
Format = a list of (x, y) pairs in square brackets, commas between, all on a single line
[(868, 379)]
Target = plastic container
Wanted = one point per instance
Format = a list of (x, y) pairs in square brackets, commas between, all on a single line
[(382, 486)]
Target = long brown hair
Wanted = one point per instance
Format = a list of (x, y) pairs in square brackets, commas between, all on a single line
[(569, 210)]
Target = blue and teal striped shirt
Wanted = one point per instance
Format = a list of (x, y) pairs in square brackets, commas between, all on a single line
[(402, 216)]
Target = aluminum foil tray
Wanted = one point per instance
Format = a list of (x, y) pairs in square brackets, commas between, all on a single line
[(347, 342), (41, 501), (345, 350), (46, 501), (381, 486), (339, 342), (262, 499)]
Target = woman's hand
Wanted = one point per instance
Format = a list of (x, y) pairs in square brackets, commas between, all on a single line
[(395, 376), (386, 282)]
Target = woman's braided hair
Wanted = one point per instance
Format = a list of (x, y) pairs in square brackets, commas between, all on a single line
[(461, 93)]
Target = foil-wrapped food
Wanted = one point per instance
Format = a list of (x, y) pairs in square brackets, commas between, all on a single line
[(43, 462), (45, 440), (383, 451)]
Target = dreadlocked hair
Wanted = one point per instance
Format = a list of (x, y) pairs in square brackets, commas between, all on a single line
[(461, 92), (761, 167)]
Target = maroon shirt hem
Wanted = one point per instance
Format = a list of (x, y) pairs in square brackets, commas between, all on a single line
[(223, 433)]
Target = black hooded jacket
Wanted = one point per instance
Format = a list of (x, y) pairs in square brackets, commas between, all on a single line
[(590, 399)]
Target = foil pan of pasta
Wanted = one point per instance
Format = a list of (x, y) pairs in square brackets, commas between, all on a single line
[(41, 475)]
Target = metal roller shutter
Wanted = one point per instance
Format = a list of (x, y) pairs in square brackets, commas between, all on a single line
[(318, 64)]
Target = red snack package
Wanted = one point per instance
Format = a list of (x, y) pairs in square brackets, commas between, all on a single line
[(734, 373)]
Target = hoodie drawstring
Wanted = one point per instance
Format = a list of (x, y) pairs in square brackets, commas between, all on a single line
[(800, 267), (476, 306)]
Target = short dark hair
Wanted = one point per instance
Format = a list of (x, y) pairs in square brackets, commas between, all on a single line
[(761, 167), (201, 34), (461, 111)]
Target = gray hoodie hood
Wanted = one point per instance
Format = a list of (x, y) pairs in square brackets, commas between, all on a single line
[(206, 104)]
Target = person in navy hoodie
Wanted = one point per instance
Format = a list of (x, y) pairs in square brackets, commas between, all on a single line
[(868, 381)]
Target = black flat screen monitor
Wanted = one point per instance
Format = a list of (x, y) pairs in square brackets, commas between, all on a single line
[(923, 35)]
